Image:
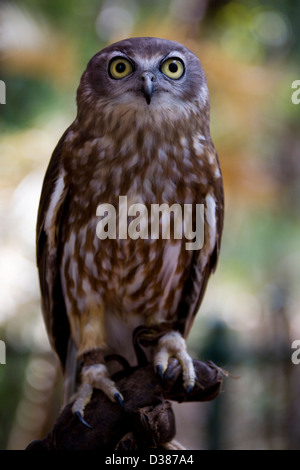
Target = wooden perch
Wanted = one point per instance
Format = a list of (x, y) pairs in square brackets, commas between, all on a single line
[(147, 420)]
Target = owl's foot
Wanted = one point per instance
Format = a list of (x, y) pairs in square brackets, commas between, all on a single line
[(94, 376), (171, 345)]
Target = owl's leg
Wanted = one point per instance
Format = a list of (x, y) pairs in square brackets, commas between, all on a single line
[(170, 345), (94, 373)]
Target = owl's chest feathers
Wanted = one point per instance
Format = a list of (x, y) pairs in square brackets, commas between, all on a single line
[(148, 168), (100, 171)]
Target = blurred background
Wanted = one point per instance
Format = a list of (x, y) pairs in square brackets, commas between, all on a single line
[(250, 315)]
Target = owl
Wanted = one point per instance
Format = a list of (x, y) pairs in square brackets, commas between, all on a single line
[(142, 132)]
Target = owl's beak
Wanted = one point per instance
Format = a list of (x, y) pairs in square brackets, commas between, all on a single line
[(148, 79)]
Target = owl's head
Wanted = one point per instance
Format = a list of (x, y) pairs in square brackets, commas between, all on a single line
[(146, 75)]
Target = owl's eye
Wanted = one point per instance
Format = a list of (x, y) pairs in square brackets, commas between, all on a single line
[(120, 68), (173, 68)]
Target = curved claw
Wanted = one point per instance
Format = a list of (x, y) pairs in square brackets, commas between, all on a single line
[(169, 375), (172, 345), (82, 420), (159, 371), (188, 389), (119, 399)]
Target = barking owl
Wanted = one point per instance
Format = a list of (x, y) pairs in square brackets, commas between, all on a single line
[(141, 132)]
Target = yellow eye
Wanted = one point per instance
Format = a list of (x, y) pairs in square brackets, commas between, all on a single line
[(120, 68), (173, 68)]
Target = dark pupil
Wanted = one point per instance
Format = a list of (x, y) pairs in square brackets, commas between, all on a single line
[(173, 67), (120, 67)]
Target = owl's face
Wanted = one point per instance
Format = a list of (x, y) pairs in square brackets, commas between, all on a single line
[(147, 74)]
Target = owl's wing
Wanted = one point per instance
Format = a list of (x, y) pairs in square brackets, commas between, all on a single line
[(53, 202), (202, 266)]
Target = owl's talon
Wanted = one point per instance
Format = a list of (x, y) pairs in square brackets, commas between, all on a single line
[(159, 371), (82, 420), (119, 399), (171, 345), (188, 389), (82, 398), (169, 374), (94, 376)]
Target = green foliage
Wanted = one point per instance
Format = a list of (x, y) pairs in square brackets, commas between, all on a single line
[(27, 98)]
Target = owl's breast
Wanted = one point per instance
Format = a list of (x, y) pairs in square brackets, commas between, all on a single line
[(109, 252), (130, 275)]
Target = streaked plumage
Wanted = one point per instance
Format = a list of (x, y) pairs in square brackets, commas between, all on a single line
[(145, 136)]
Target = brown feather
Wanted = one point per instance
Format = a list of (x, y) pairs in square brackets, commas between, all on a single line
[(53, 305)]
